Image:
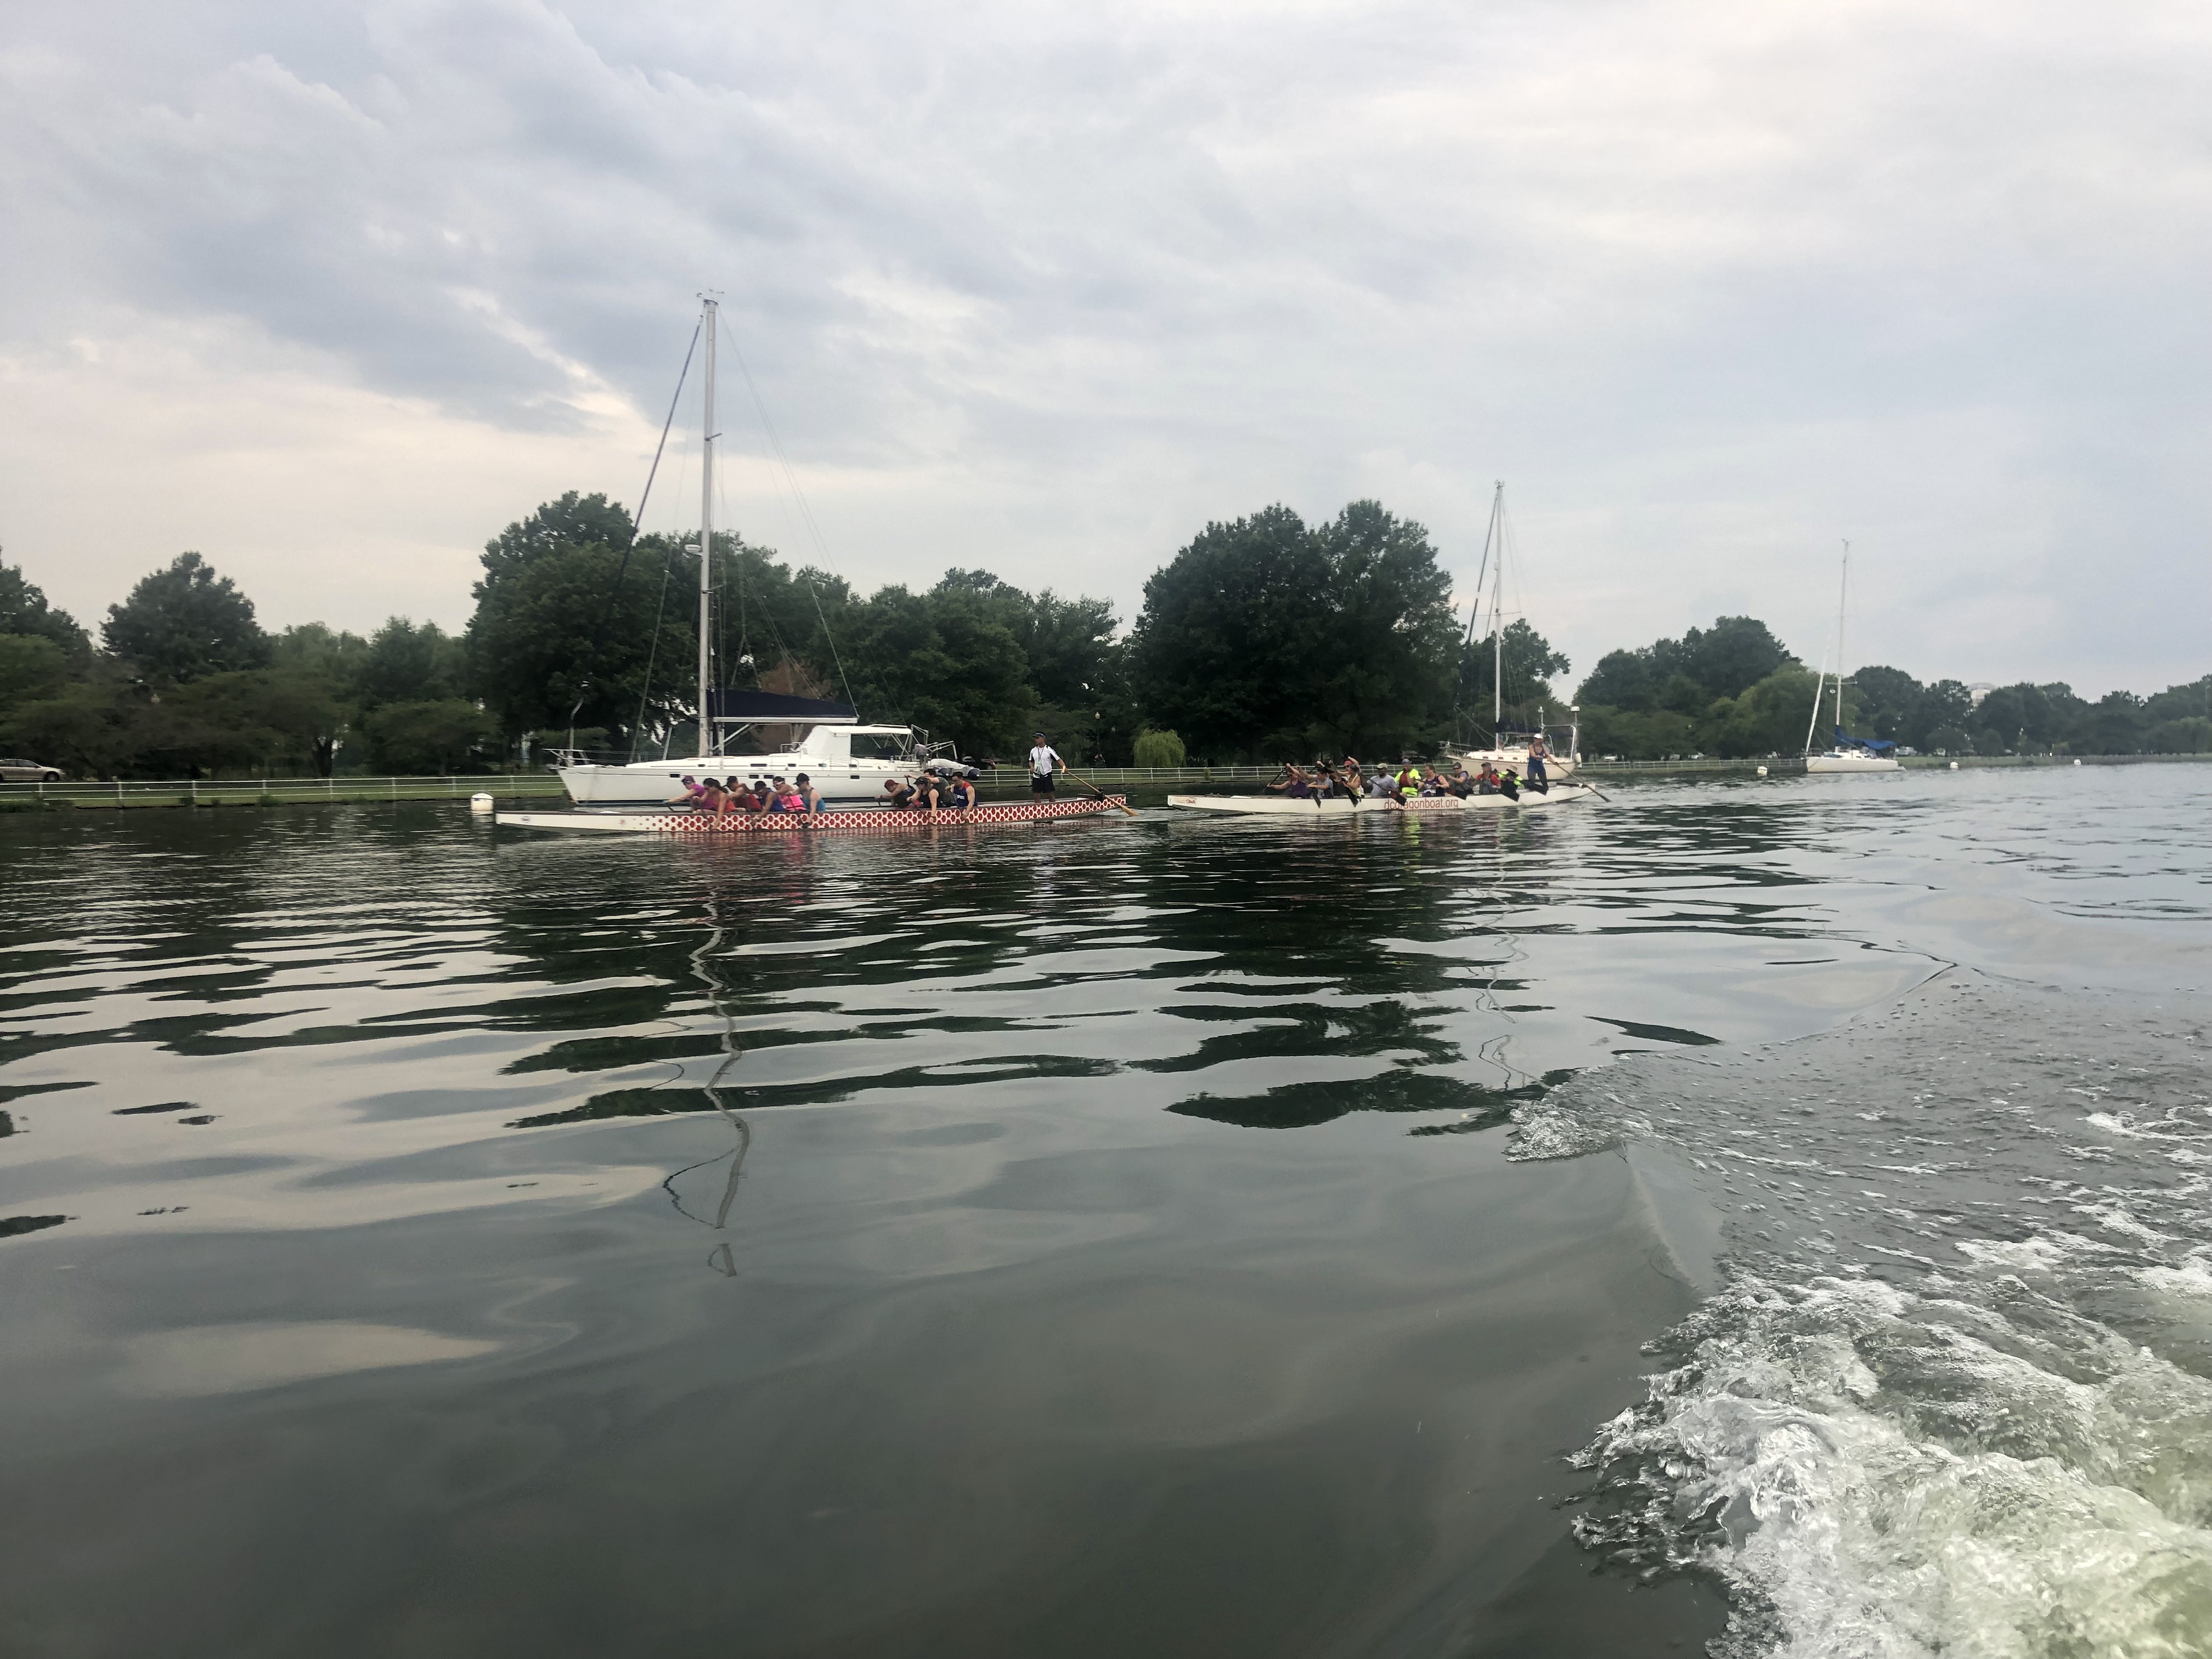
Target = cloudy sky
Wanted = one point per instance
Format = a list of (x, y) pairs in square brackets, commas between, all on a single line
[(331, 292)]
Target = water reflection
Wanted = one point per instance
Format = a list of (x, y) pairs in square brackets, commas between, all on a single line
[(311, 983), (704, 962)]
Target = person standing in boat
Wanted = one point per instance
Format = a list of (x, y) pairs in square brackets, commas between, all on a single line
[(1538, 753), (1044, 760)]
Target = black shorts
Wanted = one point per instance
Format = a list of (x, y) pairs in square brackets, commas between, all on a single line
[(1040, 783)]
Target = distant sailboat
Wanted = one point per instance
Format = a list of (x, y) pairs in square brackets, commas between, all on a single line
[(1506, 748), (1850, 754)]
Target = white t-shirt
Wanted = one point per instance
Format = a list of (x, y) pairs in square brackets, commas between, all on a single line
[(1041, 760)]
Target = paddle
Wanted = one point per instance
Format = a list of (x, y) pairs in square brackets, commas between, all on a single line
[(1101, 793)]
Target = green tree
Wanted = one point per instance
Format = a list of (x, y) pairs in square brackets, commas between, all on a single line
[(1624, 680), (261, 721), (1385, 677), (1889, 703), (314, 648), (557, 636), (253, 721), (1940, 719), (1686, 675), (1077, 670), (410, 662), (330, 663), (2190, 734), (31, 667), (574, 520), (1224, 647), (24, 610), (184, 621), (436, 737), (945, 661), (1770, 717), (2025, 718), (2192, 701), (767, 617), (1263, 637), (1733, 655), (90, 727), (1160, 749), (2113, 725), (1530, 661), (1642, 734)]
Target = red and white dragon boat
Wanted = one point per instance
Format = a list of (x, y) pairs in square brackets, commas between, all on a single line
[(874, 821)]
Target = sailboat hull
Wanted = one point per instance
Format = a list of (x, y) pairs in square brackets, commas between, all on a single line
[(854, 782), (1556, 766), (1848, 763)]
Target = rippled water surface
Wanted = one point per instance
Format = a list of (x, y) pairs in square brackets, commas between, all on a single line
[(1170, 1237)]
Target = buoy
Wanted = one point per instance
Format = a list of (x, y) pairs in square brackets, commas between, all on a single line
[(1954, 766), (1762, 771), (480, 803)]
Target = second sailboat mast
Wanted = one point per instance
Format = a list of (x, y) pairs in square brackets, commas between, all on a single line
[(1843, 610), (707, 537), (1497, 615)]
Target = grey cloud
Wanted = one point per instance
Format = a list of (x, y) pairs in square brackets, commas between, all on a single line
[(1714, 286)]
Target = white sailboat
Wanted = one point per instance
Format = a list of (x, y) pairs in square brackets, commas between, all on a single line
[(1848, 753), (1506, 748), (849, 761)]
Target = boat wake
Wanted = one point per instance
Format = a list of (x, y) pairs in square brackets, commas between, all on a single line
[(1954, 1397)]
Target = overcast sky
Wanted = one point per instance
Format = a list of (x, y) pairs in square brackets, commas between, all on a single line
[(332, 292)]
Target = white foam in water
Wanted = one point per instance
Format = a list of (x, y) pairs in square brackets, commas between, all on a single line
[(1953, 1400), (1837, 1503)]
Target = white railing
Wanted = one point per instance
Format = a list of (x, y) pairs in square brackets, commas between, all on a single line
[(188, 792)]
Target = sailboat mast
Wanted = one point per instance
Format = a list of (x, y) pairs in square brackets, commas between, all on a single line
[(1497, 615), (1842, 610), (706, 535)]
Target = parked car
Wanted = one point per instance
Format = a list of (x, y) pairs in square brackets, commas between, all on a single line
[(28, 771)]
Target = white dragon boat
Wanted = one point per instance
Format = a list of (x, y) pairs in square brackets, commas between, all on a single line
[(875, 821), (1371, 806)]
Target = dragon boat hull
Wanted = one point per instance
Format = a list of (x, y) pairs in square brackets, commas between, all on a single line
[(1286, 806), (872, 821)]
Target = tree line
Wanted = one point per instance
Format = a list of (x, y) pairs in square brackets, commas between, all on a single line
[(1265, 638), (1735, 690)]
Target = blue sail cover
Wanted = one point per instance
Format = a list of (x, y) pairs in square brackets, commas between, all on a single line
[(734, 707), (1872, 745)]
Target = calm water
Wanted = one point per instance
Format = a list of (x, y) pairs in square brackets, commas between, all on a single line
[(1165, 1237)]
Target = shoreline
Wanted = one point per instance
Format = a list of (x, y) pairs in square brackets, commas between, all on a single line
[(181, 793)]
